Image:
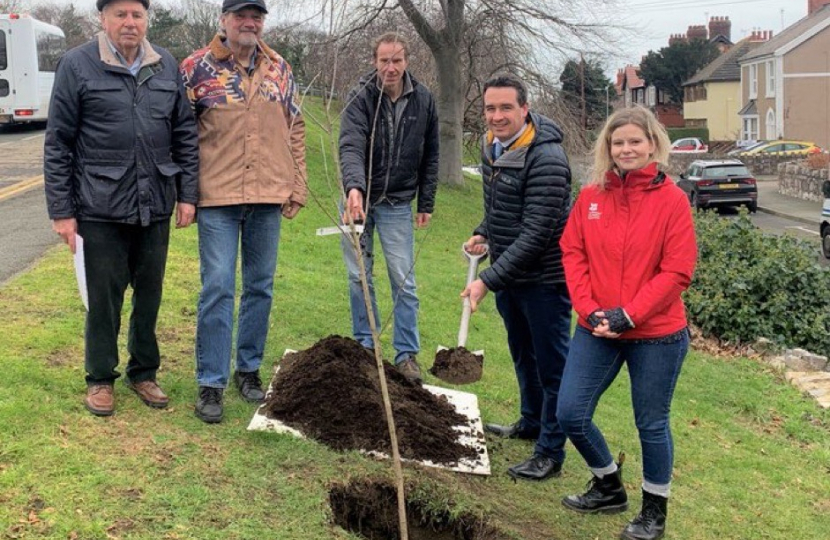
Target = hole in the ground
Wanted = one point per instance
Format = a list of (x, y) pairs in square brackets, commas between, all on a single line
[(370, 510)]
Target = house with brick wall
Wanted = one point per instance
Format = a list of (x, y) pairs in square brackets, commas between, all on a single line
[(635, 90), (785, 82)]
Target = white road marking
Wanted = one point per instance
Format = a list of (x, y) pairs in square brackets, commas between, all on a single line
[(810, 231)]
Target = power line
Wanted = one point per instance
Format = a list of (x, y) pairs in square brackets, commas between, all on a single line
[(664, 5)]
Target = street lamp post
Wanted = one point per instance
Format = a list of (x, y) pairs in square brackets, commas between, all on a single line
[(607, 102)]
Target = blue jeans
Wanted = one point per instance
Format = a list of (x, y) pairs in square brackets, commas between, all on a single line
[(220, 230), (538, 323), (592, 366), (395, 229)]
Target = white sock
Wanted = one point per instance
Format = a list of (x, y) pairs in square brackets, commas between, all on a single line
[(600, 473), (661, 490)]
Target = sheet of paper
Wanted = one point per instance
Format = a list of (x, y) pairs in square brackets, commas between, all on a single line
[(80, 270)]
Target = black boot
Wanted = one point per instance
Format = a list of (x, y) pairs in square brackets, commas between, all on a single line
[(650, 524), (605, 495)]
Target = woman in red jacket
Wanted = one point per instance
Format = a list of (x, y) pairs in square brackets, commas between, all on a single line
[(629, 251)]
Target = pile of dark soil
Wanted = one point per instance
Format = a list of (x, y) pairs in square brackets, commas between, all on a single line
[(331, 393), (457, 366)]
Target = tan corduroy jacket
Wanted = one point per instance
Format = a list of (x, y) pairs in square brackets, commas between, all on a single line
[(251, 130)]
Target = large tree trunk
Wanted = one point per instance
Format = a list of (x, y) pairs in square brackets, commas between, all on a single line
[(450, 100)]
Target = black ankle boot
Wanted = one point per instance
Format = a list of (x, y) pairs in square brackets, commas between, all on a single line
[(650, 524), (605, 495)]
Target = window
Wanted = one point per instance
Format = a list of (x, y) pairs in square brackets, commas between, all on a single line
[(771, 134), (773, 148), (4, 88), (4, 61), (652, 96), (753, 81), (750, 131), (770, 78), (726, 171), (49, 50)]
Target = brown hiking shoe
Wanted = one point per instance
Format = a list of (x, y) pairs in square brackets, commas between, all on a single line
[(150, 393), (100, 400), (410, 369)]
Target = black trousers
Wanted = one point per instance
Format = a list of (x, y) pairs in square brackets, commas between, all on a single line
[(117, 255)]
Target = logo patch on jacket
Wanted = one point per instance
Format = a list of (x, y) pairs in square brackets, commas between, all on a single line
[(593, 211)]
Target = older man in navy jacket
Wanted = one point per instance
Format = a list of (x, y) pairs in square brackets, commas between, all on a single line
[(120, 154)]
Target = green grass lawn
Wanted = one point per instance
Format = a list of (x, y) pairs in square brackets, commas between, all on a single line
[(752, 454)]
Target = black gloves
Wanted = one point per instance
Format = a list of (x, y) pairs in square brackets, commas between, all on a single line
[(594, 320), (618, 320)]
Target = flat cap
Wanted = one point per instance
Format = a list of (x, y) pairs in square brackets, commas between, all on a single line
[(101, 4), (236, 5)]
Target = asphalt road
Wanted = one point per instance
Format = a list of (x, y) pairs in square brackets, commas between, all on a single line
[(781, 225), (26, 232), (17, 132)]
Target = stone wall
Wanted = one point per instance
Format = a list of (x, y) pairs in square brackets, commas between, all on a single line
[(798, 181), (757, 164)]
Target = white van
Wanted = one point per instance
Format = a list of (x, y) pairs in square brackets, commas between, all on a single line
[(29, 53)]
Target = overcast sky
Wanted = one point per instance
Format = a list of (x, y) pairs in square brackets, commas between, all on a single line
[(653, 21), (659, 19)]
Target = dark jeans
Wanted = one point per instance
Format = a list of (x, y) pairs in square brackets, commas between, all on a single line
[(117, 255), (592, 366), (538, 323)]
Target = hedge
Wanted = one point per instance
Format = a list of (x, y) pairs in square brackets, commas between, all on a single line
[(749, 284)]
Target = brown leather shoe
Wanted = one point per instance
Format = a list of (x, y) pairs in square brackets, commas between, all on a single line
[(150, 393), (99, 399)]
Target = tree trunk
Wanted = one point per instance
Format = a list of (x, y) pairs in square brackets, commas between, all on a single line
[(450, 100)]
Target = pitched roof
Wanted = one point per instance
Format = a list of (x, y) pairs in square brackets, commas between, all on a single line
[(789, 34), (725, 67), (750, 109), (632, 77)]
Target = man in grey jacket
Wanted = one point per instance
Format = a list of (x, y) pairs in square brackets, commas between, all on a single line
[(388, 157), (120, 153)]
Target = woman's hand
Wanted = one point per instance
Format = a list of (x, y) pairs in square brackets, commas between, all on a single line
[(603, 329)]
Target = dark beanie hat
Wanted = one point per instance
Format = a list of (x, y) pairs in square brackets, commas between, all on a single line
[(101, 4)]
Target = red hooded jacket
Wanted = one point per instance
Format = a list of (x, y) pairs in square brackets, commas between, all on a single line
[(631, 245)]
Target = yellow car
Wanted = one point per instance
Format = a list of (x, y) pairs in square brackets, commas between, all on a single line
[(781, 148)]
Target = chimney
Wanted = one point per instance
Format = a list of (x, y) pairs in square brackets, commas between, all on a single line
[(676, 38), (815, 5), (721, 26), (762, 35), (698, 31)]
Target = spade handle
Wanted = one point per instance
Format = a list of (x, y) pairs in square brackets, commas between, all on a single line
[(472, 269)]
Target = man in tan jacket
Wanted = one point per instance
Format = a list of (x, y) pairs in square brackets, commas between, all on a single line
[(251, 174)]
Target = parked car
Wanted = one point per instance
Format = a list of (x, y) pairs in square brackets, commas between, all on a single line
[(824, 227), (780, 148), (745, 147), (689, 145), (722, 182)]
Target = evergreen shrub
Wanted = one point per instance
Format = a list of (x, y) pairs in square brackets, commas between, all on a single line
[(749, 284)]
